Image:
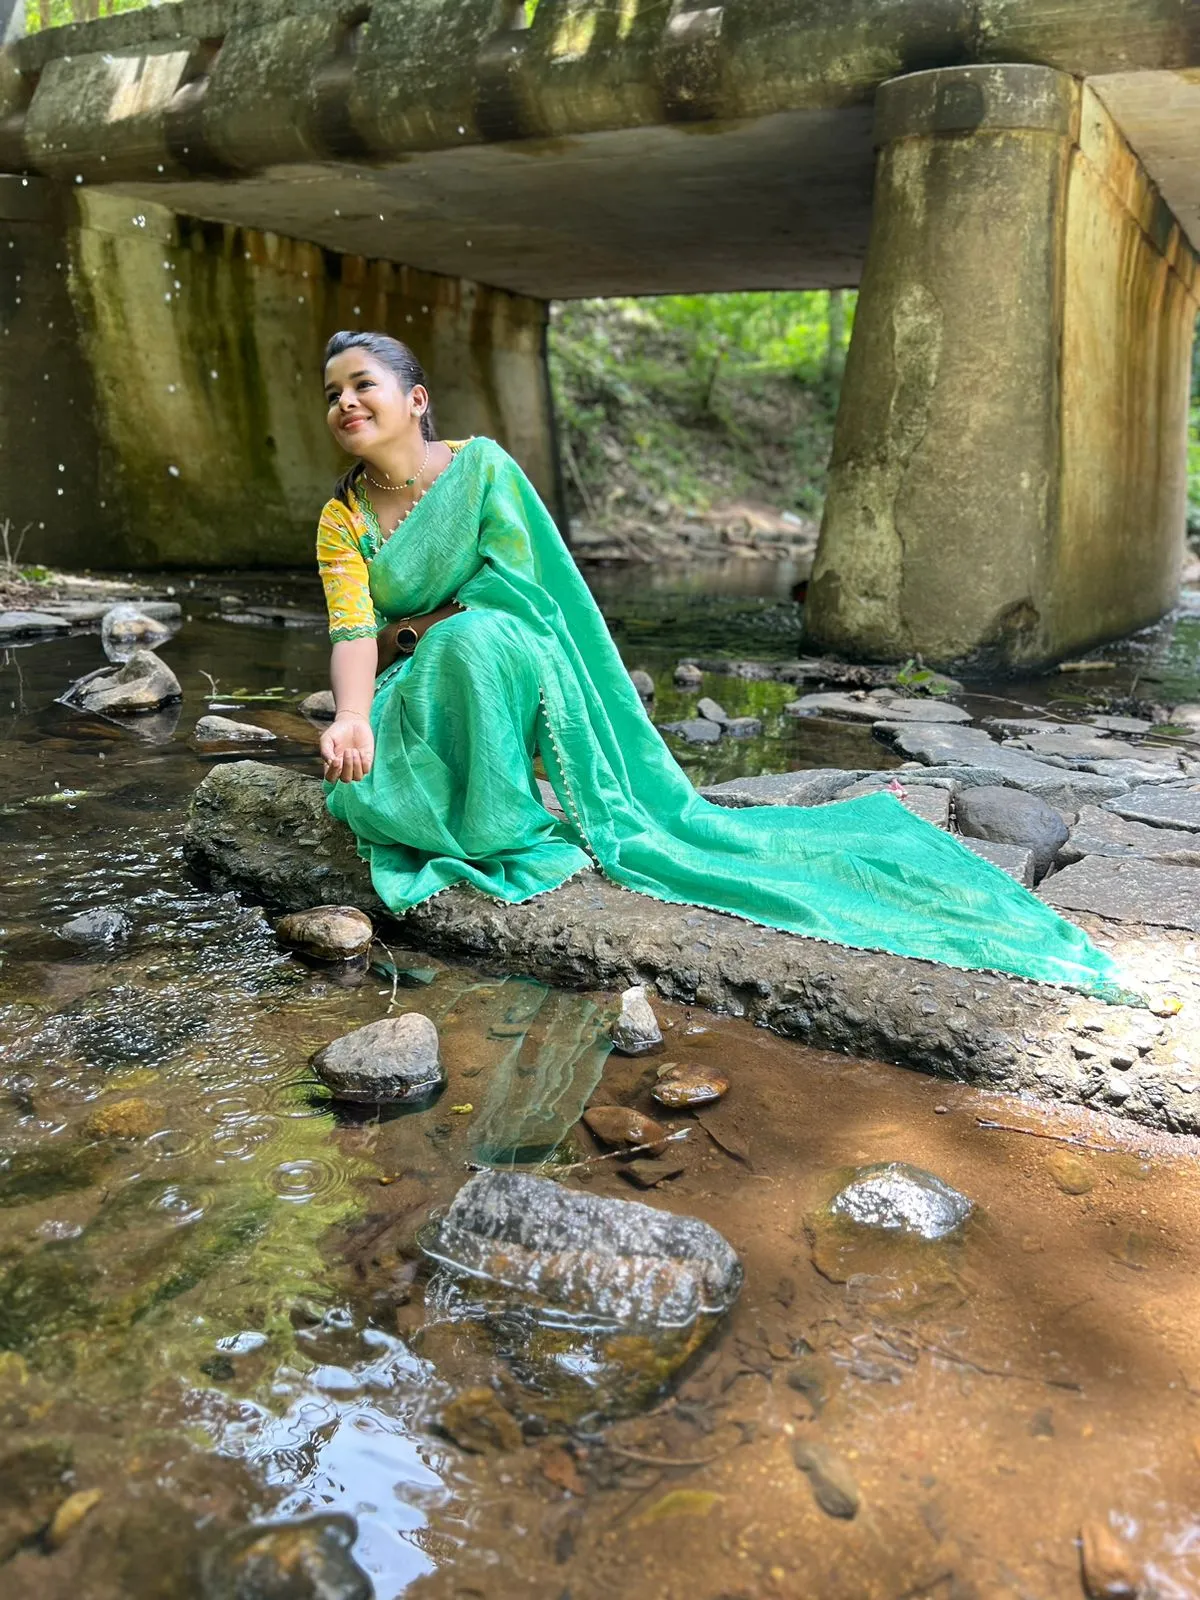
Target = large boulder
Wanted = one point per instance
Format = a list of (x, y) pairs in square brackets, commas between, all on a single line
[(1008, 816)]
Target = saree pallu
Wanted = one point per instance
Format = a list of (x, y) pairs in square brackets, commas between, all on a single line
[(529, 669)]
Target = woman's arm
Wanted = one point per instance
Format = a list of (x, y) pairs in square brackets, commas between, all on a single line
[(347, 745), (388, 648)]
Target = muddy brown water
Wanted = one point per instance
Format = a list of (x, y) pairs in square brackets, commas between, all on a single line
[(211, 1297)]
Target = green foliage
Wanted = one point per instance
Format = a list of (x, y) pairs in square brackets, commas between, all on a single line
[(42, 14), (693, 399)]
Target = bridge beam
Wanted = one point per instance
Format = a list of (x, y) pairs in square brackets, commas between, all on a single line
[(160, 385), (1008, 482)]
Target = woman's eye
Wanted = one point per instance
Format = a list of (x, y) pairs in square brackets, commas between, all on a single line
[(368, 383)]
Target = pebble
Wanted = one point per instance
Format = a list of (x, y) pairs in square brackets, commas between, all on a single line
[(680, 1086), (102, 926), (636, 1031), (687, 676), (829, 1477), (617, 1125), (1070, 1172), (224, 730), (327, 933), (1107, 1569), (393, 1060), (123, 1119), (711, 710), (643, 683)]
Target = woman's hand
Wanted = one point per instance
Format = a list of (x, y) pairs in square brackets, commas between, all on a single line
[(347, 748)]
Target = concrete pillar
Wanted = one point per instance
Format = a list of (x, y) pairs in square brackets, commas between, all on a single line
[(1008, 481), (160, 382)]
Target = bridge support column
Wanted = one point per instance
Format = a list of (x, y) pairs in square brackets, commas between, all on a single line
[(1008, 482)]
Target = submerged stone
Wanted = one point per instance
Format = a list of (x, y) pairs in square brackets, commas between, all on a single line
[(305, 1560), (830, 1478), (619, 1125), (586, 1257), (679, 1086), (895, 1195), (326, 933), (33, 1482), (102, 926), (636, 1031), (393, 1060), (133, 1118), (476, 1421)]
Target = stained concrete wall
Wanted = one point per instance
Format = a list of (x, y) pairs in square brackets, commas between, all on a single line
[(1007, 476), (172, 369)]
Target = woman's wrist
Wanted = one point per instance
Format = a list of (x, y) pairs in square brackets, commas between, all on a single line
[(349, 711)]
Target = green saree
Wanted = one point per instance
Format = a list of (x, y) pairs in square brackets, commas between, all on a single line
[(530, 669)]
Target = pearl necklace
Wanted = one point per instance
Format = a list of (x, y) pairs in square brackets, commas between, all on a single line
[(408, 482)]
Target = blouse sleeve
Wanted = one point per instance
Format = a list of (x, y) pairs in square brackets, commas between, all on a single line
[(344, 576)]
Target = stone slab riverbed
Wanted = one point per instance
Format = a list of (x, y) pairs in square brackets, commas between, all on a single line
[(264, 831)]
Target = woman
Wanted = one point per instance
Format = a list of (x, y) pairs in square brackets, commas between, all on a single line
[(465, 642)]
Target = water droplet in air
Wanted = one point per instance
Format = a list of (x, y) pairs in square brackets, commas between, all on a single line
[(213, 373), (79, 177), (461, 129), (61, 467), (173, 470)]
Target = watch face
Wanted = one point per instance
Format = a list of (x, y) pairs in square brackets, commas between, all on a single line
[(407, 640)]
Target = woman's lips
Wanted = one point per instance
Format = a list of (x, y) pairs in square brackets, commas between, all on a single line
[(351, 424)]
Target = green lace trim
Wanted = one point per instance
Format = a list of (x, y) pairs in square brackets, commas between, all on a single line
[(366, 630)]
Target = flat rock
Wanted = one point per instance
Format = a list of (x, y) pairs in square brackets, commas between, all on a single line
[(393, 1060), (319, 705), (934, 746), (224, 730), (901, 1198), (1011, 817), (928, 801), (309, 1559), (617, 1261), (1085, 744), (1161, 808), (1014, 859), (812, 787), (102, 926), (711, 710), (1128, 891), (143, 683), (866, 708), (30, 624), (279, 617), (636, 1031), (620, 1125), (265, 832), (1104, 833), (646, 1173), (1131, 725), (327, 933), (694, 730), (743, 727)]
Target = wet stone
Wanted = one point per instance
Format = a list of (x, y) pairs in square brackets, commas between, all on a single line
[(643, 683), (305, 1560), (618, 1125), (897, 1196), (133, 1118), (395, 1060), (688, 676), (326, 933), (1107, 1566), (70, 1514), (678, 1087), (711, 710), (127, 627), (30, 624), (224, 730), (693, 730), (33, 1483), (1007, 816), (584, 1255), (102, 926), (830, 1478), (1070, 1172), (743, 727), (144, 683), (1151, 892), (319, 706), (477, 1422), (636, 1031)]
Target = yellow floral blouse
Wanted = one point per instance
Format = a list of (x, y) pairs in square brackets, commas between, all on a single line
[(348, 540)]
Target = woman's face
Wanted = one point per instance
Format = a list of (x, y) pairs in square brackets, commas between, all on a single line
[(366, 407)]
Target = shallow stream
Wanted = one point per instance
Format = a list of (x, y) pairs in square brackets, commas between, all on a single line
[(211, 1293)]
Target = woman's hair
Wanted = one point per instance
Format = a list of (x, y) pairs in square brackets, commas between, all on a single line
[(395, 355)]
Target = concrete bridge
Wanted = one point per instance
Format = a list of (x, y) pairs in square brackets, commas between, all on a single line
[(193, 195)]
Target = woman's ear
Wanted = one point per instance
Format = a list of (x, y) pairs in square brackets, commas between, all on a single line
[(419, 397)]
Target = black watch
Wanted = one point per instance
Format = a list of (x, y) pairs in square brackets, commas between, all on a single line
[(407, 639)]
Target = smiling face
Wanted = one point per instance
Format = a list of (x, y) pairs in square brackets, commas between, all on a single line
[(367, 408)]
